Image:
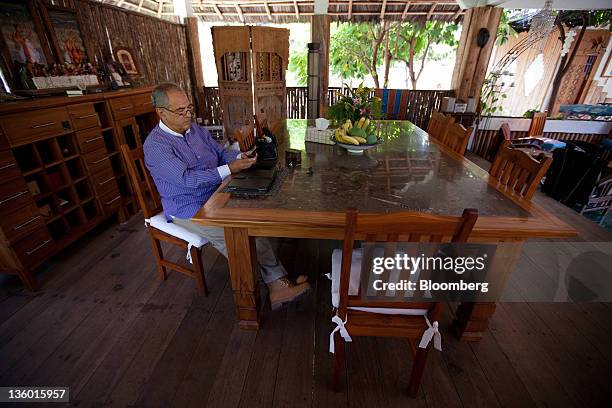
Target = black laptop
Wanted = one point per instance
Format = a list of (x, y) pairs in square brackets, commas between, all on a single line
[(252, 181)]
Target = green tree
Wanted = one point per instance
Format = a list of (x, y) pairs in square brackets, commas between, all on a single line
[(413, 43), (298, 64), (355, 50)]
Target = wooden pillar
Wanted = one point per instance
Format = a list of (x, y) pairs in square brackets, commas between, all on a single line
[(319, 33), (472, 61), (195, 63)]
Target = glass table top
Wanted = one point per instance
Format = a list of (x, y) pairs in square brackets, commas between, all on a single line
[(405, 172)]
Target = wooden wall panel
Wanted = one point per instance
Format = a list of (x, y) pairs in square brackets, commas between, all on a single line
[(159, 47)]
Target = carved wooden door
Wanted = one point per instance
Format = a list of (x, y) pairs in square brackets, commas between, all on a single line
[(270, 55), (232, 56)]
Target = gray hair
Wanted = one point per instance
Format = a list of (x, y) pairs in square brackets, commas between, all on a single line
[(159, 96)]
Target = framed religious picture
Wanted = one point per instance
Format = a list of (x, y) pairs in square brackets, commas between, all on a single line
[(67, 40), (21, 35), (125, 58)]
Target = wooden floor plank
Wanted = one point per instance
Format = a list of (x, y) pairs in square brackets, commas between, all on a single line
[(261, 377), (294, 387), (67, 272), (584, 372), (201, 372), (505, 381), (536, 371), (470, 380), (227, 389), (46, 331), (364, 371), (78, 355), (128, 343), (180, 351)]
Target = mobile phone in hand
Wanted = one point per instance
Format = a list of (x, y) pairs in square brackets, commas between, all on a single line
[(251, 153)]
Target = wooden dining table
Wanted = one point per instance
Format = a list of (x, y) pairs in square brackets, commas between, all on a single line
[(409, 171)]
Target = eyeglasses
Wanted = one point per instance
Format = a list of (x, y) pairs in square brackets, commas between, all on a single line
[(182, 111)]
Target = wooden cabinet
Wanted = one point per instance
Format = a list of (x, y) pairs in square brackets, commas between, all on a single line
[(61, 173)]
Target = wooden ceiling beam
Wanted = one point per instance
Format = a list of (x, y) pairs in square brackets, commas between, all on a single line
[(219, 13), (350, 10), (239, 10), (160, 9), (406, 7), (382, 9), (268, 11), (297, 9), (431, 10), (140, 5), (454, 17)]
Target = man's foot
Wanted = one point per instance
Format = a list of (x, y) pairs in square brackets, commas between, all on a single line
[(283, 290), (301, 279)]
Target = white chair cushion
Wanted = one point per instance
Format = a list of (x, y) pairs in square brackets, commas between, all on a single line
[(159, 221), (354, 283)]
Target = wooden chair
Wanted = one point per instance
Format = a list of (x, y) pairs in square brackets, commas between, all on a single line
[(456, 137), (536, 128), (518, 171), (245, 137), (438, 124), (409, 227), (157, 226), (500, 140)]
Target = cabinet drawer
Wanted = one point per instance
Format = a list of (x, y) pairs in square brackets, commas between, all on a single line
[(84, 116), (35, 248), (142, 104), (122, 107), (104, 181), (97, 161), (8, 166), (90, 140), (26, 127), (22, 223), (13, 196), (110, 201)]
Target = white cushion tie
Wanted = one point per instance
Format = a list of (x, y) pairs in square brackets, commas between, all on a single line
[(431, 332), (343, 332)]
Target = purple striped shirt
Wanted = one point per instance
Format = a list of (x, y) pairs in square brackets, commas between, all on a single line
[(185, 168)]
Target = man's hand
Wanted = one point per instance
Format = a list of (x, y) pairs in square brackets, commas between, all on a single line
[(241, 164)]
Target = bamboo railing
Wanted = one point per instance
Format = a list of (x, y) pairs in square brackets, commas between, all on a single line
[(418, 109)]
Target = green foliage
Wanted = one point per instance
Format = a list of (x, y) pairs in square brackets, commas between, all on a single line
[(351, 45), (298, 64), (413, 43), (529, 113), (417, 37), (505, 30), (491, 99), (360, 102)]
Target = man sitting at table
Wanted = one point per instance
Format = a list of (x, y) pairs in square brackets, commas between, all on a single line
[(187, 166)]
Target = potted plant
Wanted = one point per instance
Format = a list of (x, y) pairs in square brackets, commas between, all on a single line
[(358, 103)]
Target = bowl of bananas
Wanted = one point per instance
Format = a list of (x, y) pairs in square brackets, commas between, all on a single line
[(356, 138)]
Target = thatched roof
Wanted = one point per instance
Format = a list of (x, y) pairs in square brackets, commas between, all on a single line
[(291, 11)]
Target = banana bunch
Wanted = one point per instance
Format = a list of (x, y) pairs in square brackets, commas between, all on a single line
[(342, 137), (355, 135), (363, 123)]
